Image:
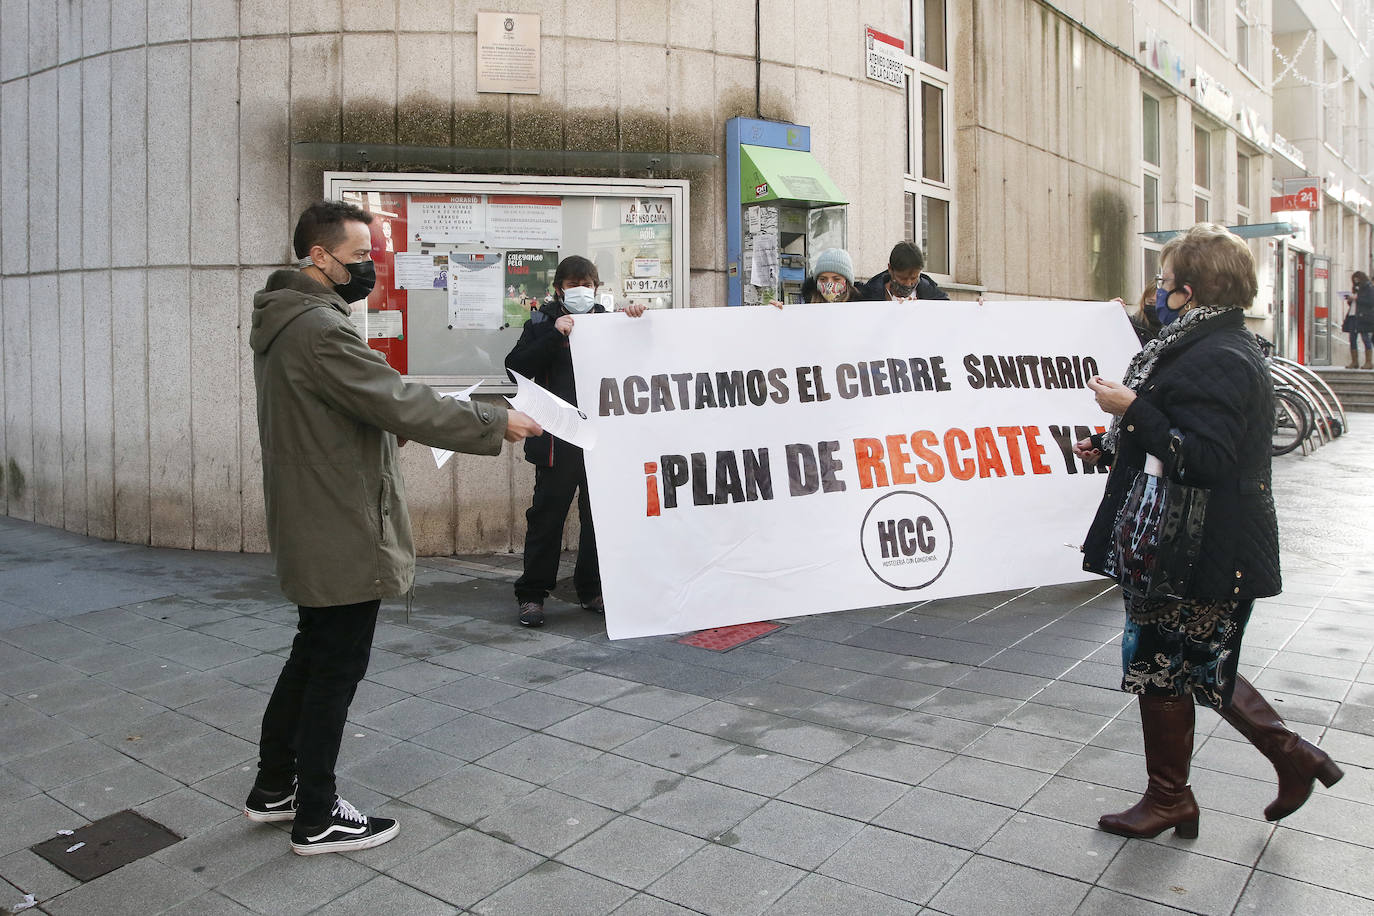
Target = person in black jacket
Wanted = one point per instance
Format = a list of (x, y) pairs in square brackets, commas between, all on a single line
[(1195, 408), (1144, 321), (903, 278), (1359, 321), (542, 355)]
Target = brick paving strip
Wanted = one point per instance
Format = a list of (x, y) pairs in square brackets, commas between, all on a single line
[(952, 754)]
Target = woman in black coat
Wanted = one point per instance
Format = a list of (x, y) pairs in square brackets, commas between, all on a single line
[(1359, 319), (1195, 410)]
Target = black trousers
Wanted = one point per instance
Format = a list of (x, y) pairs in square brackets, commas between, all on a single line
[(553, 494), (304, 722)]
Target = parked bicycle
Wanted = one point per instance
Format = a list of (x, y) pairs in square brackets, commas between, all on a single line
[(1307, 413)]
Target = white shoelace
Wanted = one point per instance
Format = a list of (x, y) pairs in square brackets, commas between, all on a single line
[(344, 810)]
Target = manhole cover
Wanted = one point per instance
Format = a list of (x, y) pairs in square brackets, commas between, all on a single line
[(721, 639), (105, 845)]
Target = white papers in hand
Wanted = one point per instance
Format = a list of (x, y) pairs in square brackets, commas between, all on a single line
[(442, 455), (557, 416)]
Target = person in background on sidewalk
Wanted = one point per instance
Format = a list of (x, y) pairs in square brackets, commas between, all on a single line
[(903, 278), (543, 355), (329, 411), (1144, 321), (1359, 319), (1195, 409)]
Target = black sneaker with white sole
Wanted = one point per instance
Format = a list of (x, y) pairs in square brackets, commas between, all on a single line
[(267, 807), (347, 829)]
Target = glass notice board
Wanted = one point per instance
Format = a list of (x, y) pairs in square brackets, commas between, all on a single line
[(462, 259)]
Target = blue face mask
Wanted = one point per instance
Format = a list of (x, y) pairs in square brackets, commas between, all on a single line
[(1165, 314)]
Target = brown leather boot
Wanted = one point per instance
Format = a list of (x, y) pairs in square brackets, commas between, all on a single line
[(1354, 359), (1296, 762), (1167, 723), (1367, 357)]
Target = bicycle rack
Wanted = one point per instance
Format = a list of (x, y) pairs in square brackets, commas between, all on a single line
[(1321, 422), (1321, 382)]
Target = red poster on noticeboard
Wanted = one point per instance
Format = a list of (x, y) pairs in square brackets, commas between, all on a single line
[(386, 306)]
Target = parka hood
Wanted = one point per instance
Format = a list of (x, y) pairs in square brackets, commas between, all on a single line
[(288, 295)]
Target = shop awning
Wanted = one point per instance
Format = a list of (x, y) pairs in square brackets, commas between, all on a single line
[(1247, 231), (788, 175)]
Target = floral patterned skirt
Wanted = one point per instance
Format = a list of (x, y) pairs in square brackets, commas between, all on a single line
[(1172, 648)]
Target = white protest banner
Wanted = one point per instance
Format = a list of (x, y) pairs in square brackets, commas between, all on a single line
[(754, 463)]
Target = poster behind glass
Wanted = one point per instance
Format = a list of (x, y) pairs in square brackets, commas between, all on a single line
[(458, 274)]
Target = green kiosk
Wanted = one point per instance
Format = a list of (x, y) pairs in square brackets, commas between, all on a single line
[(782, 210)]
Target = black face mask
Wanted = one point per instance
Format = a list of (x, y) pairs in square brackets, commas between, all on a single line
[(901, 290), (362, 276)]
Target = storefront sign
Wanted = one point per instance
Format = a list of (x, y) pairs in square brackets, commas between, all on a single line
[(1163, 60), (508, 52), (757, 462), (884, 55), (1212, 95), (1288, 150), (646, 212), (1305, 198), (1252, 128)]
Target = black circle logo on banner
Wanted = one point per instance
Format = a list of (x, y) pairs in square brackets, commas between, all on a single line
[(906, 540)]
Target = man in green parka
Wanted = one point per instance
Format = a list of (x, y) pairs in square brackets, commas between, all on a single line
[(329, 412)]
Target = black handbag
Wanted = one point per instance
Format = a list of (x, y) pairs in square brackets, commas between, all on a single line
[(1158, 534), (1348, 324)]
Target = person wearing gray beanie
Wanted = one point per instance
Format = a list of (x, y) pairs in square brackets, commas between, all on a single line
[(831, 279)]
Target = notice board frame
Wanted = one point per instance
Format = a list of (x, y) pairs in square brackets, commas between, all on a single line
[(485, 349)]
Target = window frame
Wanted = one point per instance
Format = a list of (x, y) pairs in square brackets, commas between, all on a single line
[(1203, 194), (1245, 194), (1151, 170), (915, 185), (1246, 29)]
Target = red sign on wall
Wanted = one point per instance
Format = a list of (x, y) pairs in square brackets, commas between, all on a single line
[(1308, 198)]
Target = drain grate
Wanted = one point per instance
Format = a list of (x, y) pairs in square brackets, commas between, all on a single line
[(106, 844), (722, 639)]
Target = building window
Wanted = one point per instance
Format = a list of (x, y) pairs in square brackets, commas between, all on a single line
[(1202, 174), (1331, 103), (909, 107), (935, 231), (1242, 189), (928, 193), (1150, 201), (1362, 112), (933, 45), (1150, 162), (1350, 145), (1151, 261), (1203, 17), (927, 224), (1202, 158), (1149, 129), (1245, 32), (932, 132)]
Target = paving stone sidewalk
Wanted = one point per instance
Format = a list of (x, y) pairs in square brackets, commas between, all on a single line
[(944, 757)]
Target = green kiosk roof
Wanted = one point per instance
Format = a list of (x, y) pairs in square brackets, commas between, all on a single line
[(766, 173)]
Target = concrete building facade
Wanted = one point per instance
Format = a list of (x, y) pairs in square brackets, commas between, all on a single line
[(149, 182)]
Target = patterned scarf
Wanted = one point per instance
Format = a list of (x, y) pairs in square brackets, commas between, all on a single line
[(1143, 363)]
